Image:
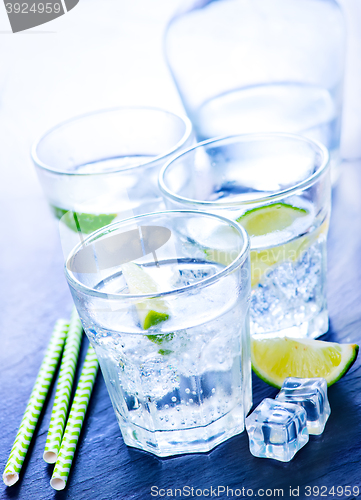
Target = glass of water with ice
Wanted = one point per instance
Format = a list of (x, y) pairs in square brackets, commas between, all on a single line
[(277, 186), (103, 166), (170, 326)]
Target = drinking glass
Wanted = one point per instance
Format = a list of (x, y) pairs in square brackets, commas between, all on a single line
[(170, 327), (278, 187), (104, 166), (250, 66)]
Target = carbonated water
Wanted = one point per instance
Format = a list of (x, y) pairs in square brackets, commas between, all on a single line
[(289, 299), (108, 196), (288, 273), (184, 385)]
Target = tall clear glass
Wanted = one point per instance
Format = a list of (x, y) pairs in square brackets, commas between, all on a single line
[(245, 66), (170, 327), (278, 187), (104, 166)]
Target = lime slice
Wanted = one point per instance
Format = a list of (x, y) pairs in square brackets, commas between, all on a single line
[(81, 222), (275, 359), (270, 218), (151, 312), (261, 221)]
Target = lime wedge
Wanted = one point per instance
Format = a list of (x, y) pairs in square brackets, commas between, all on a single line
[(81, 222), (270, 218), (151, 312), (275, 359), (261, 221)]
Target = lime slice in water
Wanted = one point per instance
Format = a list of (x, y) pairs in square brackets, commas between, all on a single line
[(261, 221), (151, 311), (270, 218), (81, 222), (275, 359)]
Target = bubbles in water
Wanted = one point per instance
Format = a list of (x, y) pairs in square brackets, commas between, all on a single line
[(291, 293)]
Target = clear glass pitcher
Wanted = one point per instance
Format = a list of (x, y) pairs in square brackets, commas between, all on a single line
[(245, 66)]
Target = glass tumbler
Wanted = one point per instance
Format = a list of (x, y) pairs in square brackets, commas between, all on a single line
[(246, 66), (278, 187), (170, 327), (104, 166)]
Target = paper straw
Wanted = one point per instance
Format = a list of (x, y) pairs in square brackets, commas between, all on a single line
[(35, 403), (75, 421), (63, 389)]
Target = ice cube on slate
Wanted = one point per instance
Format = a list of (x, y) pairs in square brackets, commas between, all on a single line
[(277, 430), (311, 394)]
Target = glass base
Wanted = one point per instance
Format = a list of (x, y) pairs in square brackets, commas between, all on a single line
[(180, 441), (311, 329)]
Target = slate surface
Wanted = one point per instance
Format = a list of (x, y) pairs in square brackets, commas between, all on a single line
[(33, 294)]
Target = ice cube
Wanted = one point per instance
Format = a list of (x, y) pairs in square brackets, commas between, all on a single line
[(311, 394), (276, 430)]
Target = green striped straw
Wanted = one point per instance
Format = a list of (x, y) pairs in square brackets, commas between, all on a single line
[(63, 389), (75, 421), (36, 402)]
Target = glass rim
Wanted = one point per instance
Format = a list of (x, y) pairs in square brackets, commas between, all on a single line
[(309, 181), (237, 262), (39, 163)]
